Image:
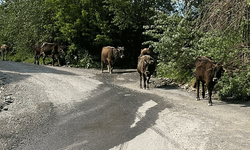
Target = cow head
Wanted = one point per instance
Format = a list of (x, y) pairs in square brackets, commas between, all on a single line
[(148, 63), (61, 50), (217, 70), (120, 51)]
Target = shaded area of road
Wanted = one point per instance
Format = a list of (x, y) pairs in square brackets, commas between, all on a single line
[(101, 122)]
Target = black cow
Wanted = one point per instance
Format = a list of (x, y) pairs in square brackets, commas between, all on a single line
[(52, 50)]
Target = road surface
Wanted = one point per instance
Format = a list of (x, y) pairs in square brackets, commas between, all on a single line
[(61, 108)]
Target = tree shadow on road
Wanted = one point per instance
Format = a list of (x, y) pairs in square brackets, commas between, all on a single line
[(106, 120)]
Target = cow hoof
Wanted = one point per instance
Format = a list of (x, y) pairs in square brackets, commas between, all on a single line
[(210, 104), (197, 99)]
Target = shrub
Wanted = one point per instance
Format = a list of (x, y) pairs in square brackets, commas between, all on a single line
[(236, 86)]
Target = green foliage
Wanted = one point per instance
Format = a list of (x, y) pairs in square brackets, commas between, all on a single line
[(79, 20), (178, 42), (236, 86), (173, 41), (80, 58), (22, 24)]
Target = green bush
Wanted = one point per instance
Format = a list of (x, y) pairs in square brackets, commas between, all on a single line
[(80, 58), (173, 40), (236, 86)]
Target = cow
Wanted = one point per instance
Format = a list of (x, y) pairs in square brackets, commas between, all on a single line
[(37, 50), (108, 56), (5, 49), (53, 50), (209, 72), (145, 51), (145, 67)]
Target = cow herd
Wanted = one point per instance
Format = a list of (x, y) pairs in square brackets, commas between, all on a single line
[(207, 70)]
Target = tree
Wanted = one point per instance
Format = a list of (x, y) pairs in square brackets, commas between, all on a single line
[(22, 25), (173, 39), (83, 24), (130, 16)]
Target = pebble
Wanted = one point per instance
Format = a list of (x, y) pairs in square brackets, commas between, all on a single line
[(5, 108)]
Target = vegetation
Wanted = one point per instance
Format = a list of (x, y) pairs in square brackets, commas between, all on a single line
[(176, 30)]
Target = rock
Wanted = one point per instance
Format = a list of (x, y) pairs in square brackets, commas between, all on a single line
[(1, 105), (5, 108), (8, 99)]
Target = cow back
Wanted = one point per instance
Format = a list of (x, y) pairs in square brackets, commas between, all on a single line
[(47, 49), (207, 69), (51, 49), (145, 51), (107, 53)]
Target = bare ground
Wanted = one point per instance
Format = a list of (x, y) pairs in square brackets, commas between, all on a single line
[(187, 124)]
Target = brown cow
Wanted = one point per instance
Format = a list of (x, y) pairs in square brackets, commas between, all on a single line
[(209, 72), (5, 49), (145, 51), (109, 55), (53, 50), (145, 67)]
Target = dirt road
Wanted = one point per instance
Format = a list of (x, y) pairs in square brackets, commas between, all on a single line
[(70, 108)]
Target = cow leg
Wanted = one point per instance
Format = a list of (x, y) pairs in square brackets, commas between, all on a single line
[(198, 88), (35, 59), (44, 59), (108, 66), (53, 60), (144, 80), (101, 66), (58, 60), (111, 66), (2, 55), (140, 80), (148, 78), (38, 59), (203, 90), (6, 55), (210, 89)]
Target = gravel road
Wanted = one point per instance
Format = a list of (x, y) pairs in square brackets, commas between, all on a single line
[(36, 101)]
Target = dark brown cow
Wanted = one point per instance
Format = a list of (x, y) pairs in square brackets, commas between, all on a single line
[(209, 72), (145, 67), (145, 51), (109, 55), (52, 50), (5, 49), (37, 50)]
